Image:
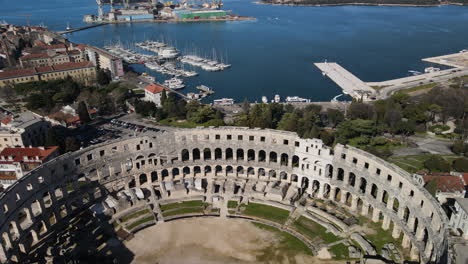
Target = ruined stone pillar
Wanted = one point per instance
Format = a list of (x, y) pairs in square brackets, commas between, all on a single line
[(396, 231), (414, 253), (428, 250), (390, 202), (365, 208), (354, 203), (375, 215), (331, 195), (343, 197), (320, 190), (3, 256), (406, 243), (411, 222), (345, 177), (420, 233), (386, 222)]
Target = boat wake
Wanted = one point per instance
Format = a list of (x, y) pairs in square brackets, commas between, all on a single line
[(335, 99)]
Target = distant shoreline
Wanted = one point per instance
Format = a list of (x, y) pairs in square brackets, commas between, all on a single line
[(358, 4)]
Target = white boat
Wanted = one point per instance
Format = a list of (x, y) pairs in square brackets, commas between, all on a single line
[(431, 69), (415, 73), (174, 83), (264, 99), (168, 53), (205, 89), (277, 98), (223, 101), (296, 99), (463, 50)]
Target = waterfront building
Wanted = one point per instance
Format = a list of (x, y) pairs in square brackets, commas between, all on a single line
[(16, 162), (104, 60), (153, 93), (51, 58), (84, 72), (21, 130), (459, 217), (446, 185)]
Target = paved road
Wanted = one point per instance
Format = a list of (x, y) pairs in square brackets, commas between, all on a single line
[(425, 145)]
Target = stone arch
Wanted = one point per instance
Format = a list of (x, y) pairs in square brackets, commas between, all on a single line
[(240, 170), (272, 174), (229, 170), (283, 175), (154, 176), (363, 185), (406, 214), (218, 170), (131, 183), (273, 156), (385, 197), (374, 191), (250, 171), (329, 171), (207, 154), (294, 178), (352, 179), (196, 170), (340, 175), (261, 172), (229, 154), (185, 171), (337, 197), (143, 178), (207, 170), (250, 155), (284, 159), (326, 190), (175, 172), (348, 199), (185, 155), (240, 154), (164, 174), (396, 205), (415, 225), (261, 156), (295, 161), (195, 154), (304, 183), (218, 154), (6, 240)]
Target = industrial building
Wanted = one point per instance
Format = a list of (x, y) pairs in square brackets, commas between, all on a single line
[(199, 14)]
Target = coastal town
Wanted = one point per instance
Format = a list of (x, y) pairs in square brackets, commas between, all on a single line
[(102, 147)]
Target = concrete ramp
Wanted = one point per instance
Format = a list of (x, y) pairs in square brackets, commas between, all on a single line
[(347, 81)]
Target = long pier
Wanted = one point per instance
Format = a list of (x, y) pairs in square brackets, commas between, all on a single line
[(82, 28), (350, 84)]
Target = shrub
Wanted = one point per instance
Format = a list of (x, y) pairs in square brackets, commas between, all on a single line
[(438, 129), (378, 141), (458, 147), (460, 165), (436, 164)]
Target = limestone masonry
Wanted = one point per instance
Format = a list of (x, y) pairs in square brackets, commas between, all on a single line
[(217, 165)]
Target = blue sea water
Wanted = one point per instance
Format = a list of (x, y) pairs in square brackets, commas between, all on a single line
[(275, 53)]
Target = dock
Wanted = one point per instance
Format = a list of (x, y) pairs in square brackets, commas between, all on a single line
[(82, 28), (456, 60), (350, 84)]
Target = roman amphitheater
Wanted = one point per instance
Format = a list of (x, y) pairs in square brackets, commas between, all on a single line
[(143, 181)]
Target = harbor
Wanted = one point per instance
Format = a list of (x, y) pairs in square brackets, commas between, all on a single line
[(359, 89)]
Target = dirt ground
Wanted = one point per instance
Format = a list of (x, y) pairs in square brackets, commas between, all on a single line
[(207, 241)]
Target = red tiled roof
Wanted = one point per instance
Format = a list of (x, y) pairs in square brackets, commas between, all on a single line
[(19, 153), (154, 88), (34, 56), (45, 69), (447, 182), (7, 120)]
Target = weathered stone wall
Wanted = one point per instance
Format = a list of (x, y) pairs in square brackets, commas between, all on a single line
[(361, 182)]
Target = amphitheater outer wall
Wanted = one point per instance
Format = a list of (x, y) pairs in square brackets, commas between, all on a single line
[(33, 207)]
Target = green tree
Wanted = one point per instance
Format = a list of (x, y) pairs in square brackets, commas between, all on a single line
[(460, 165), (245, 106), (83, 112), (458, 147), (103, 77), (71, 144), (436, 163), (288, 122), (334, 117)]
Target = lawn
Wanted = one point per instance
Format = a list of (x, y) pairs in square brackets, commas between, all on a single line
[(380, 237), (139, 222), (340, 251), (414, 163), (267, 212), (283, 251), (181, 211), (179, 123), (312, 230), (232, 204), (135, 215), (418, 88), (195, 203)]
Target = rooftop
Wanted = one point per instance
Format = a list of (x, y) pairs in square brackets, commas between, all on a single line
[(10, 155), (154, 88), (463, 202), (446, 182), (45, 69), (21, 120)]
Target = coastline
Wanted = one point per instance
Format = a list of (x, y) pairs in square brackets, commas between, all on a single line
[(236, 18), (359, 4)]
